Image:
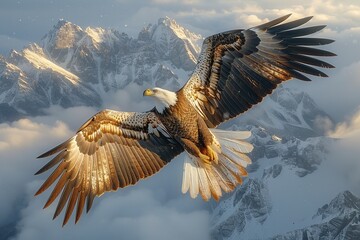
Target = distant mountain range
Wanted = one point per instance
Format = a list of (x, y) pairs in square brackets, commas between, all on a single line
[(76, 67)]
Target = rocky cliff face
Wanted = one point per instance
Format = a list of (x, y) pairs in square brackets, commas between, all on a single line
[(250, 203), (339, 220), (288, 113)]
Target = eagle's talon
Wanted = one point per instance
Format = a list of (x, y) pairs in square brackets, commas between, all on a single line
[(205, 158), (209, 155)]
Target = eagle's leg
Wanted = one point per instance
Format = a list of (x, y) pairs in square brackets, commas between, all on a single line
[(212, 154), (207, 139), (191, 148)]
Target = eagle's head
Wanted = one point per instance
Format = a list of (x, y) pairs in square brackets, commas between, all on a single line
[(165, 98)]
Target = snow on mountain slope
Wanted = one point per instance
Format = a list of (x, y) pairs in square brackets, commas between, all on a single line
[(181, 45), (13, 79), (38, 83), (72, 66), (338, 220), (287, 173), (40, 62), (287, 113)]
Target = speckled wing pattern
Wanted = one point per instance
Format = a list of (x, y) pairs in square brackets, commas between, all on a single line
[(238, 68), (111, 150)]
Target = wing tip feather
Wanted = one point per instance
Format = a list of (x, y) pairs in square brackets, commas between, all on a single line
[(274, 22), (55, 149)]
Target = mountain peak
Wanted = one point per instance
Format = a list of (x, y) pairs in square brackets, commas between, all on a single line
[(175, 42), (181, 32), (63, 35), (344, 202), (169, 22), (288, 112), (71, 65), (62, 23)]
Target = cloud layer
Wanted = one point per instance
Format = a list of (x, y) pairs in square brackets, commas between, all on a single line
[(153, 209), (18, 18), (350, 128)]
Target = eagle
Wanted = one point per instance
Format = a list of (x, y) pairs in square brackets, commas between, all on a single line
[(235, 70)]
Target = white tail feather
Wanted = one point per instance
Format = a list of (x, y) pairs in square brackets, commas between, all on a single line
[(237, 145), (230, 134), (210, 179), (204, 184), (186, 175)]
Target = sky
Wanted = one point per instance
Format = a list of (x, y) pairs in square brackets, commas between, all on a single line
[(157, 204)]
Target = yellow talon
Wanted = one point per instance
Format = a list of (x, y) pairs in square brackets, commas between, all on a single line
[(209, 156), (205, 158), (212, 154)]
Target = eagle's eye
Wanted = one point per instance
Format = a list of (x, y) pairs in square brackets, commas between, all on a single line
[(148, 92)]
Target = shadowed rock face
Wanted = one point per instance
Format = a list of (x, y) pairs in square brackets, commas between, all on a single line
[(250, 203), (305, 155), (8, 113), (287, 113), (340, 221)]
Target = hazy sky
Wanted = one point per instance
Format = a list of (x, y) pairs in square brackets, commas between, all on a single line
[(156, 203), (24, 21)]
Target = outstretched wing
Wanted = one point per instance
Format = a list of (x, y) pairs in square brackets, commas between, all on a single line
[(111, 150), (237, 69)]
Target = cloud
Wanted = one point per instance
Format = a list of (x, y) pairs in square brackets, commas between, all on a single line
[(344, 151), (20, 143), (345, 154), (129, 99), (135, 214), (153, 209), (347, 129), (337, 95)]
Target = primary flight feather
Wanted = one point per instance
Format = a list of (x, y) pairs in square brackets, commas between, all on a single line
[(235, 70)]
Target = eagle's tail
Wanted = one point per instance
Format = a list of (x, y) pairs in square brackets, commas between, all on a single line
[(210, 179)]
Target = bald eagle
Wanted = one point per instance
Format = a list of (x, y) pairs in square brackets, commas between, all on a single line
[(235, 70)]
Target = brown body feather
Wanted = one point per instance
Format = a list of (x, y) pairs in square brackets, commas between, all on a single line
[(185, 124)]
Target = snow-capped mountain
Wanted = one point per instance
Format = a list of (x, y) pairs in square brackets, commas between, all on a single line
[(278, 162), (287, 195), (288, 113), (289, 180), (339, 219), (72, 66)]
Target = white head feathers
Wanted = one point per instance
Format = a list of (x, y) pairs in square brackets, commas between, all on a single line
[(165, 98)]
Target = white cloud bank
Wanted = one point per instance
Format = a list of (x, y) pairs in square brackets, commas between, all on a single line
[(135, 214), (20, 142), (345, 153), (153, 209), (347, 129)]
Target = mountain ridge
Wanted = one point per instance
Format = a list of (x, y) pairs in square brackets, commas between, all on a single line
[(81, 64)]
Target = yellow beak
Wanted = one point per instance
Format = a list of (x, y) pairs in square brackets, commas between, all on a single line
[(148, 92)]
